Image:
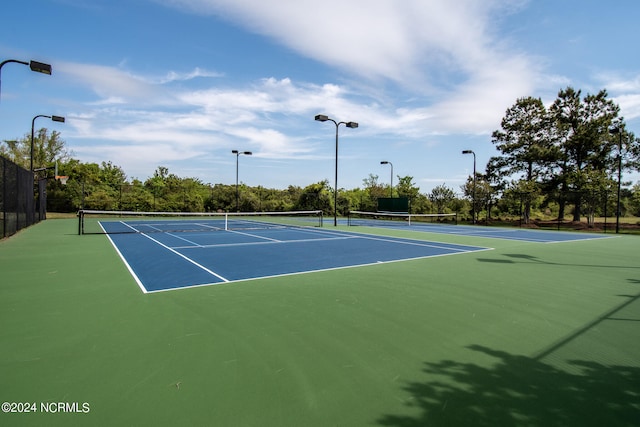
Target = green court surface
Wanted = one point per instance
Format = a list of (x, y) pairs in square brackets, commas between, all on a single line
[(526, 334)]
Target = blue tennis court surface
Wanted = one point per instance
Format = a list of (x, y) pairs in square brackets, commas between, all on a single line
[(162, 261)]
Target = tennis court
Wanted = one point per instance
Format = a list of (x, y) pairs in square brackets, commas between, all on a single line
[(168, 253), (527, 333)]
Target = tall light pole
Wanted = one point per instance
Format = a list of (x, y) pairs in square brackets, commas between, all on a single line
[(352, 125), (613, 131), (237, 153), (38, 67), (473, 197), (33, 122), (384, 162)]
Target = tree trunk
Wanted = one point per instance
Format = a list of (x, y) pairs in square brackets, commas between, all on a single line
[(562, 202), (577, 211), (561, 205), (527, 211)]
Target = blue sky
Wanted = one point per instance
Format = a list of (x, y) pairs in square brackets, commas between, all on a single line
[(181, 83)]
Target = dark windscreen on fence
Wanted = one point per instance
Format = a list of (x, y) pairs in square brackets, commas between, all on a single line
[(17, 202), (395, 204)]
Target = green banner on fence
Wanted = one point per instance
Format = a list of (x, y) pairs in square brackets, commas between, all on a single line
[(393, 204)]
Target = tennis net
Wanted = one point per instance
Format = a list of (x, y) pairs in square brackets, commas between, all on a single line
[(117, 222), (389, 219)]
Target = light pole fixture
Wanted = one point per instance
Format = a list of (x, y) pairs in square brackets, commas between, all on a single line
[(33, 122), (238, 153), (613, 131), (352, 125), (39, 67), (473, 197), (384, 162)]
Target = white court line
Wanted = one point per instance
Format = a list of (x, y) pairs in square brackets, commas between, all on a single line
[(125, 224), (408, 241), (212, 227), (223, 245), (135, 276), (186, 240), (186, 258), (338, 236), (371, 236), (424, 243), (343, 235), (581, 240), (254, 235)]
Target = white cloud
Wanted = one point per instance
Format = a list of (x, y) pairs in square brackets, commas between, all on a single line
[(625, 91), (137, 160), (197, 72), (272, 144), (419, 45), (614, 82), (206, 120), (112, 85), (400, 41), (481, 102), (118, 86), (629, 105)]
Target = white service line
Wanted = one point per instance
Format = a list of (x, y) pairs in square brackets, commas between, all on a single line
[(256, 236), (126, 225), (186, 240), (405, 241), (186, 258), (223, 245)]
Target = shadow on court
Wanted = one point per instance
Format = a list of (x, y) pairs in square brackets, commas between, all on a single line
[(524, 390), (519, 390)]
